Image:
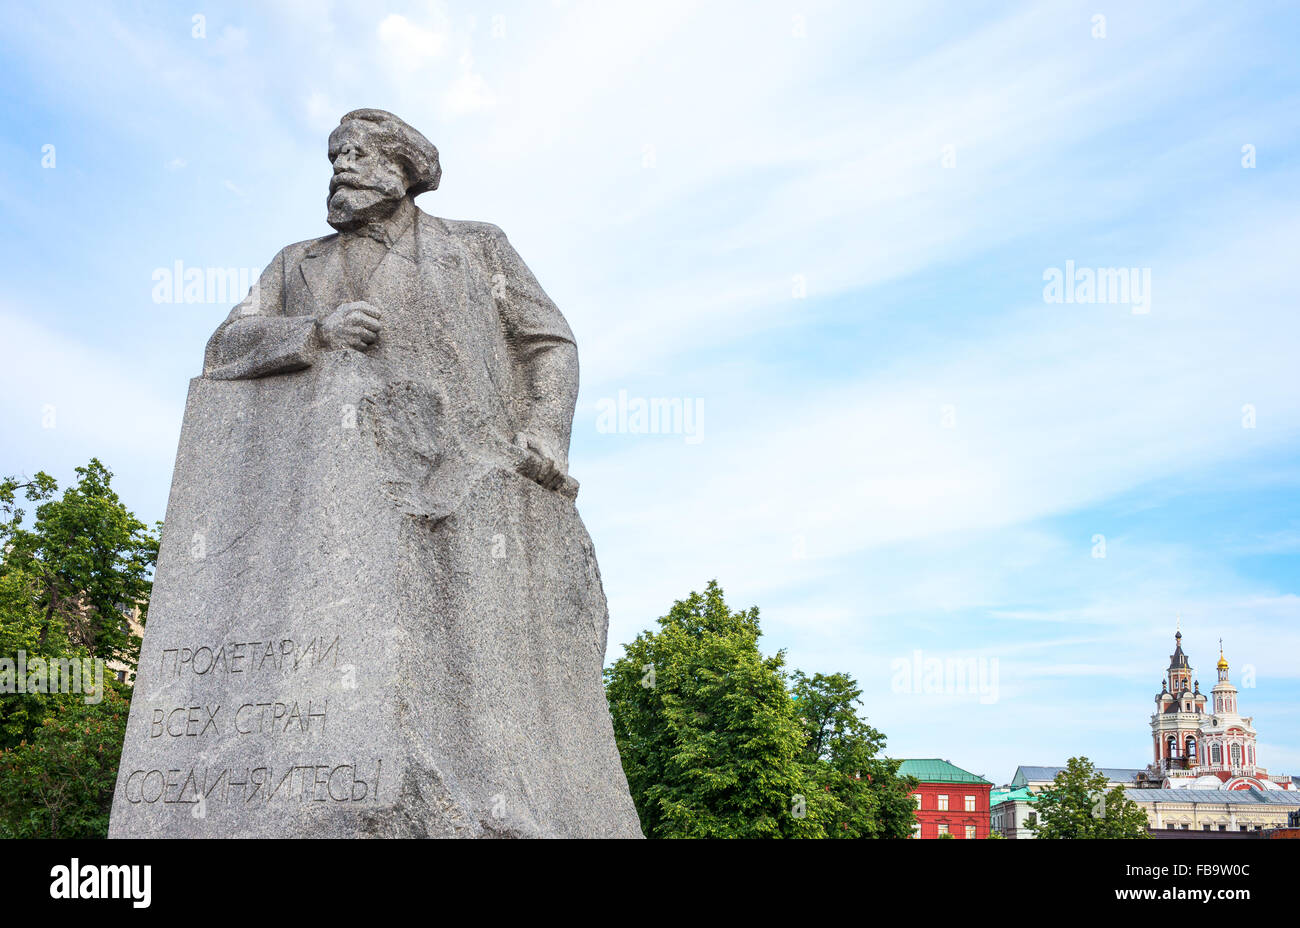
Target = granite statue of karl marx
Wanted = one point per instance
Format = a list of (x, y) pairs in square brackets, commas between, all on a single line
[(449, 300), (373, 578)]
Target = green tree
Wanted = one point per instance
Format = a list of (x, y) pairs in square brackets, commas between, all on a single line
[(86, 564), (708, 734), (60, 784), (867, 798), (21, 626), (69, 579), (1077, 805)]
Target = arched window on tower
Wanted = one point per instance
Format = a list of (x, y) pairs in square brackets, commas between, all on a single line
[(1216, 756), (1172, 747), (1236, 755), (1191, 748)]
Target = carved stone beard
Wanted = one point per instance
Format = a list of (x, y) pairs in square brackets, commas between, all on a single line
[(352, 207)]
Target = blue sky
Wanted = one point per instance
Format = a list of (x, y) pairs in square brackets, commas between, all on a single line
[(826, 224)]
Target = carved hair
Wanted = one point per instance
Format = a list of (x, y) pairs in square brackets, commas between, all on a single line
[(417, 154)]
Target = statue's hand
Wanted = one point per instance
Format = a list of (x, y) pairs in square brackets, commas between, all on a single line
[(352, 325), (542, 463)]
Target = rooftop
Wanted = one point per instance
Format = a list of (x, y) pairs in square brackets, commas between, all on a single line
[(934, 770), (1029, 773)]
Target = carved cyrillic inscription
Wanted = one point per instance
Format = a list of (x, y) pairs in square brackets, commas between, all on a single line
[(250, 718), (285, 654), (229, 717), (277, 718), (256, 785), (185, 721)]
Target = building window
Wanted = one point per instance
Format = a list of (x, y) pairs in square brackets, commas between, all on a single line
[(970, 831), (943, 802), (943, 829), (918, 800), (1215, 756), (916, 830), (1236, 755), (970, 803)]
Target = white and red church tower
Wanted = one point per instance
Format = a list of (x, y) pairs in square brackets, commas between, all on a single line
[(1203, 742), (1180, 710)]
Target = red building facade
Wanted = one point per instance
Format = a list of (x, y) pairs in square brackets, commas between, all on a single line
[(950, 800)]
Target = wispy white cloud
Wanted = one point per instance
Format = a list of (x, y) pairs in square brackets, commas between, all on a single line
[(409, 46), (66, 401)]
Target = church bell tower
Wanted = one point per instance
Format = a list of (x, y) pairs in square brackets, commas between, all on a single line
[(1180, 710)]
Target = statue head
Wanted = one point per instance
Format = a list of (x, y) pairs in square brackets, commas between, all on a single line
[(378, 161)]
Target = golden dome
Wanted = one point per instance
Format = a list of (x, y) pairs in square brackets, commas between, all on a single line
[(1223, 661)]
